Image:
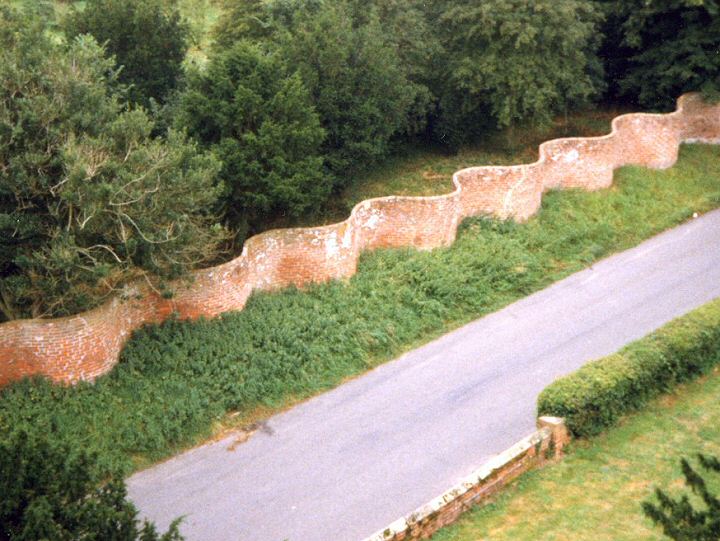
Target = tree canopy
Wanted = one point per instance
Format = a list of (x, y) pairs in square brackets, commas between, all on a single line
[(257, 117), (659, 49), (511, 61), (148, 39), (88, 199), (297, 98), (350, 65)]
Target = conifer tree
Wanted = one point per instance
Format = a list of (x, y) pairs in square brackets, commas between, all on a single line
[(147, 38), (89, 199), (56, 492), (355, 69), (256, 116), (680, 519)]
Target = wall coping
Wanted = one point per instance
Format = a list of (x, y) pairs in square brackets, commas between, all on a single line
[(551, 429)]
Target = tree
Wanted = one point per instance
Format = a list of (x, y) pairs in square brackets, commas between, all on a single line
[(89, 201), (663, 48), (148, 38), (406, 25), (257, 118), (679, 518), (511, 61), (350, 65), (53, 491), (357, 82)]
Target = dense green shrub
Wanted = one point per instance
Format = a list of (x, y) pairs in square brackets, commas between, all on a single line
[(598, 394), (256, 116), (148, 38), (53, 491)]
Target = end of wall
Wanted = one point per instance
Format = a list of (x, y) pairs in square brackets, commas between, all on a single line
[(534, 451)]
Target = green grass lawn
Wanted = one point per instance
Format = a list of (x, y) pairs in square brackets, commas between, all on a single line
[(202, 16), (178, 382), (595, 492)]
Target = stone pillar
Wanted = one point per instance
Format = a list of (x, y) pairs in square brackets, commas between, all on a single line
[(560, 435)]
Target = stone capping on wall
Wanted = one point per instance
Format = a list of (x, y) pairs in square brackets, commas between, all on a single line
[(86, 345), (535, 450)]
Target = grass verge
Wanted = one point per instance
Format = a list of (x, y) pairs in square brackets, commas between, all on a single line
[(594, 494), (177, 382)]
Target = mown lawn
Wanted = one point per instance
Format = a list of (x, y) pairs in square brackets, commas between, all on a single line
[(178, 382), (595, 493)]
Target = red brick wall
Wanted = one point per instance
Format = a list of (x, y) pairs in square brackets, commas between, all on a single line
[(534, 451), (87, 345)]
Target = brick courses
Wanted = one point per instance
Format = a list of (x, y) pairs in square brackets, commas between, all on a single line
[(534, 451), (86, 345)]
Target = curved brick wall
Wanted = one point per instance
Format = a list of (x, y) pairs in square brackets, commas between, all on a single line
[(87, 345)]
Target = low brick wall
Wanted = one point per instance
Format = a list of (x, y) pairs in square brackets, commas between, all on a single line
[(87, 345), (545, 444)]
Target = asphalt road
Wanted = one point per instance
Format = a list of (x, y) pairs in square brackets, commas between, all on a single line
[(347, 463)]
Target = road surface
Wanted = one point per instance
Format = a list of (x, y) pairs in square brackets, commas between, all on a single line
[(347, 463)]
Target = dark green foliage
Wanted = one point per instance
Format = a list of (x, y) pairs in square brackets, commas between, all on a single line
[(679, 518), (358, 85), (511, 61), (148, 39), (177, 379), (257, 118), (55, 492), (88, 199), (597, 395), (408, 30), (614, 53), (380, 72), (659, 49), (351, 66)]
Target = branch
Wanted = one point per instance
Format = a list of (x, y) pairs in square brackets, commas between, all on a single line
[(105, 247), (6, 306), (139, 198), (168, 238)]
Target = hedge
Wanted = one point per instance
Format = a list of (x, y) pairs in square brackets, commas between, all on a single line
[(595, 396)]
